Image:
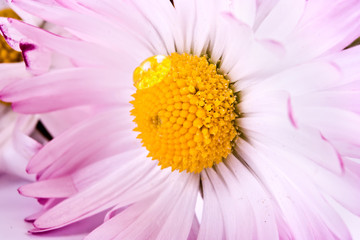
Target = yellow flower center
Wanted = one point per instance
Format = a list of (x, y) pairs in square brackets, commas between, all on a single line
[(7, 54), (184, 111)]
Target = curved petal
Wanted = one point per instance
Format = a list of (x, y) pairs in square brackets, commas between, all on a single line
[(67, 88), (302, 206), (336, 24), (93, 28), (116, 135)]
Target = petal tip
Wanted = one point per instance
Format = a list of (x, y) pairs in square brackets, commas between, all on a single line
[(291, 114)]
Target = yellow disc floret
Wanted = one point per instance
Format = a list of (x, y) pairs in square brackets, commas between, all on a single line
[(7, 54), (184, 111)]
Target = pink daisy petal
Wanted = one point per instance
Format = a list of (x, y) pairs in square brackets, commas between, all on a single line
[(90, 174), (336, 23), (264, 55), (187, 17), (346, 61), (64, 213), (98, 30), (16, 147), (273, 25), (242, 34), (161, 24), (14, 71), (346, 100), (352, 165), (132, 18), (194, 230), (178, 220), (263, 213), (59, 121), (24, 93), (58, 151), (47, 205), (37, 60), (184, 193), (332, 132), (232, 211), (52, 188), (307, 214), (97, 55), (110, 228), (244, 10), (204, 24), (212, 221), (321, 177), (304, 143), (299, 80), (263, 9)]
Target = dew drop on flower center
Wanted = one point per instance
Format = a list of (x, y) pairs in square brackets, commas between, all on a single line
[(184, 111), (7, 54)]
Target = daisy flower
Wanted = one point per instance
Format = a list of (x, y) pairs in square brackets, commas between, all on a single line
[(18, 132), (15, 147), (14, 154), (249, 107)]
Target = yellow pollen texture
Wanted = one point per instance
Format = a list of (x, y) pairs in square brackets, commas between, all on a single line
[(184, 111), (7, 54)]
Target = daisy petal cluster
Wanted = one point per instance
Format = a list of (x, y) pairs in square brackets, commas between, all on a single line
[(249, 109), (15, 145)]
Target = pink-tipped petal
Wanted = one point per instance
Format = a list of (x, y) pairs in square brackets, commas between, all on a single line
[(66, 88), (58, 121), (336, 24), (52, 188), (14, 71), (93, 28), (274, 27), (302, 206), (58, 151), (194, 231), (244, 10)]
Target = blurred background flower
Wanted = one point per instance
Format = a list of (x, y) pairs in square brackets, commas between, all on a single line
[(22, 135)]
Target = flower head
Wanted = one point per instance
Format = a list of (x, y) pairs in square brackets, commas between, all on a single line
[(240, 102)]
